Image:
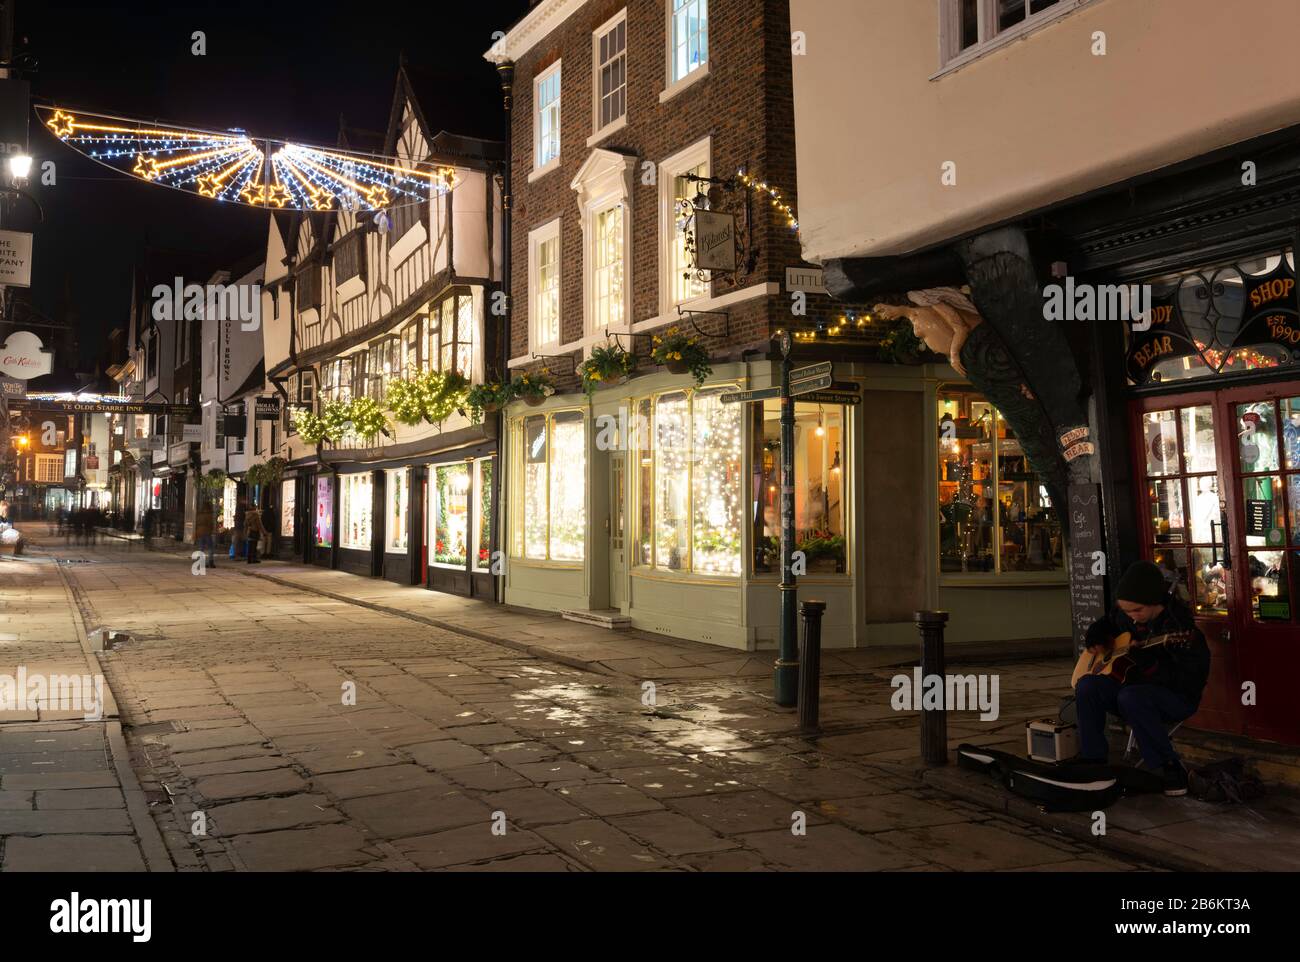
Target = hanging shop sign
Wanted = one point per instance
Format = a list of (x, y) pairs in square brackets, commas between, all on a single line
[(11, 387), (267, 408), (1075, 444), (15, 258), (23, 356), (715, 241), (192, 432)]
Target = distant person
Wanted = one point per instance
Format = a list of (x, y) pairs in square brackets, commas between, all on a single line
[(237, 546), (204, 524), (268, 525), (253, 531)]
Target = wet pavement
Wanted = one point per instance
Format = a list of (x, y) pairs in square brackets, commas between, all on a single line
[(273, 728)]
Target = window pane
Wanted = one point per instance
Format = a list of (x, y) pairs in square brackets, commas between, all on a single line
[(483, 556), (966, 428), (969, 24), (465, 334), (398, 505), (672, 482), (546, 304), (690, 36), (1257, 441), (1211, 581), (355, 511), (1166, 506), (451, 514), (609, 268), (1160, 433), (1262, 503), (535, 486), (1291, 432), (643, 554), (1269, 586), (449, 334), (1203, 495), (1010, 13), (568, 487), (1031, 530), (1037, 6), (685, 283), (1198, 439), (716, 503)]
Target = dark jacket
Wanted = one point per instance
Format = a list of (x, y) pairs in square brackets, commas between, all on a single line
[(1183, 668)]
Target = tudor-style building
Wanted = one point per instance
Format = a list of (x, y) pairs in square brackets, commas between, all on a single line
[(354, 301), (1068, 144)]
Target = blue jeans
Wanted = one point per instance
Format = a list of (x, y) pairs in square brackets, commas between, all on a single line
[(206, 543), (1148, 709)]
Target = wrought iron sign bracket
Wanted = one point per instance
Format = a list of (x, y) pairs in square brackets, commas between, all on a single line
[(726, 323), (632, 336), (557, 357)]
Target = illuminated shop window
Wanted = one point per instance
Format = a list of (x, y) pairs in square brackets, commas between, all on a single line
[(551, 492), (355, 511), (995, 515), (483, 487), (288, 502), (451, 484), (820, 467), (689, 483), (397, 492)]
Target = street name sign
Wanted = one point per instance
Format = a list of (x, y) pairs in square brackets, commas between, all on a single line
[(831, 397), (761, 394), (800, 388)]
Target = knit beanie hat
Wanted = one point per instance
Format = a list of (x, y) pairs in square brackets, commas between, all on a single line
[(1143, 583)]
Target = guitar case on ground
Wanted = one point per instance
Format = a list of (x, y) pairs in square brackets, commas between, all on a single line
[(1066, 787)]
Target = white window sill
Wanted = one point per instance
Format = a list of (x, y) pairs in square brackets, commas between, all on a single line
[(1020, 30), (613, 128), (540, 172), (696, 75)]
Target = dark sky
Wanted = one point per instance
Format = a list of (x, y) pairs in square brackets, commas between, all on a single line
[(284, 70)]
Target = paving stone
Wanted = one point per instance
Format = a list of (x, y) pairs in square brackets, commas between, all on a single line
[(418, 812), (443, 755), (676, 781), (489, 777), (343, 760), (882, 813), (269, 814), (604, 799), (522, 863), (302, 850), (671, 833), (971, 847), (53, 780), (738, 860), (276, 781), (555, 771), (193, 741), (106, 821), (42, 763), (531, 807), (378, 781), (84, 738), (473, 843), (828, 848), (81, 799), (258, 763), (16, 800), (600, 846), (737, 812), (72, 853)]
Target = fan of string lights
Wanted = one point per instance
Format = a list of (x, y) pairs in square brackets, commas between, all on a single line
[(236, 168)]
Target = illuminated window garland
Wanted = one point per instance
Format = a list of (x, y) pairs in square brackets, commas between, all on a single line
[(232, 167)]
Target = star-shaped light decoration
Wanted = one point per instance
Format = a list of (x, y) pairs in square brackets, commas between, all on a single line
[(233, 167)]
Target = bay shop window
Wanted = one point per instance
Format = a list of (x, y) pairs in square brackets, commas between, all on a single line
[(452, 335), (689, 494), (995, 515), (549, 487), (460, 502), (820, 471)]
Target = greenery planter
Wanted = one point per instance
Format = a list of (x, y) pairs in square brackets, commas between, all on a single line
[(534, 400), (491, 408), (678, 367)]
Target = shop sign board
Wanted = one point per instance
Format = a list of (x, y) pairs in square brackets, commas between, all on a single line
[(267, 408), (831, 397), (1086, 559), (715, 241), (15, 258), (192, 432), (11, 387), (23, 356)]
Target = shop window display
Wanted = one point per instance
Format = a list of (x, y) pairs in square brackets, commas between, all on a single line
[(995, 515), (1268, 450), (819, 474), (451, 514), (398, 495), (551, 488), (324, 513), (483, 554), (689, 483), (355, 512), (288, 503)]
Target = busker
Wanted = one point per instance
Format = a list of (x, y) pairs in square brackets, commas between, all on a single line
[(253, 531), (1163, 685)]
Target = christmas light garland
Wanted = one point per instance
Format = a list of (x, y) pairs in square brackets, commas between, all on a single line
[(235, 168)]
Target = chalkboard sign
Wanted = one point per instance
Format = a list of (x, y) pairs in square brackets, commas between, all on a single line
[(1087, 590)]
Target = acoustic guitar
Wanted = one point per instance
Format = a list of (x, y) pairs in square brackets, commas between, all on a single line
[(1117, 659)]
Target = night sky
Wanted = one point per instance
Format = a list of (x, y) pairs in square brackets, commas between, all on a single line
[(286, 70)]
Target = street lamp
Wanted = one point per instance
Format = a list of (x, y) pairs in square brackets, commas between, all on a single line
[(20, 166)]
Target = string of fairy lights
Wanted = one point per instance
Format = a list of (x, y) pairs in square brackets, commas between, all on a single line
[(234, 168)]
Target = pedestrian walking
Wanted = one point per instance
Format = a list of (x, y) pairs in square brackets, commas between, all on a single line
[(204, 526), (237, 546), (253, 531), (268, 525)]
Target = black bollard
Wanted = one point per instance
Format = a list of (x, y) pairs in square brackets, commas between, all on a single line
[(934, 722), (810, 666)]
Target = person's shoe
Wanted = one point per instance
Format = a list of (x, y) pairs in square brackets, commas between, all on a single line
[(1175, 779)]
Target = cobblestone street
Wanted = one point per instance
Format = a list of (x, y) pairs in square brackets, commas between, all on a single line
[(234, 696)]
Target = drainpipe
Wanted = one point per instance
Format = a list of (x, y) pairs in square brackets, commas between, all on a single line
[(506, 71)]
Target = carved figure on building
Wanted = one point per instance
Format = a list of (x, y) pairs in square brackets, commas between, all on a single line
[(942, 317)]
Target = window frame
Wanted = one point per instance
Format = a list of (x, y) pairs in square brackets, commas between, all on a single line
[(350, 244), (550, 231), (952, 56), (346, 483), (673, 83), (598, 129), (518, 539), (544, 167), (670, 168)]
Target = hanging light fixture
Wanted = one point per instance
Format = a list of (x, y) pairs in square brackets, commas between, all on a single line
[(821, 422)]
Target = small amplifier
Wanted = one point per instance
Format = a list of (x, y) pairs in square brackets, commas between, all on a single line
[(1050, 740)]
